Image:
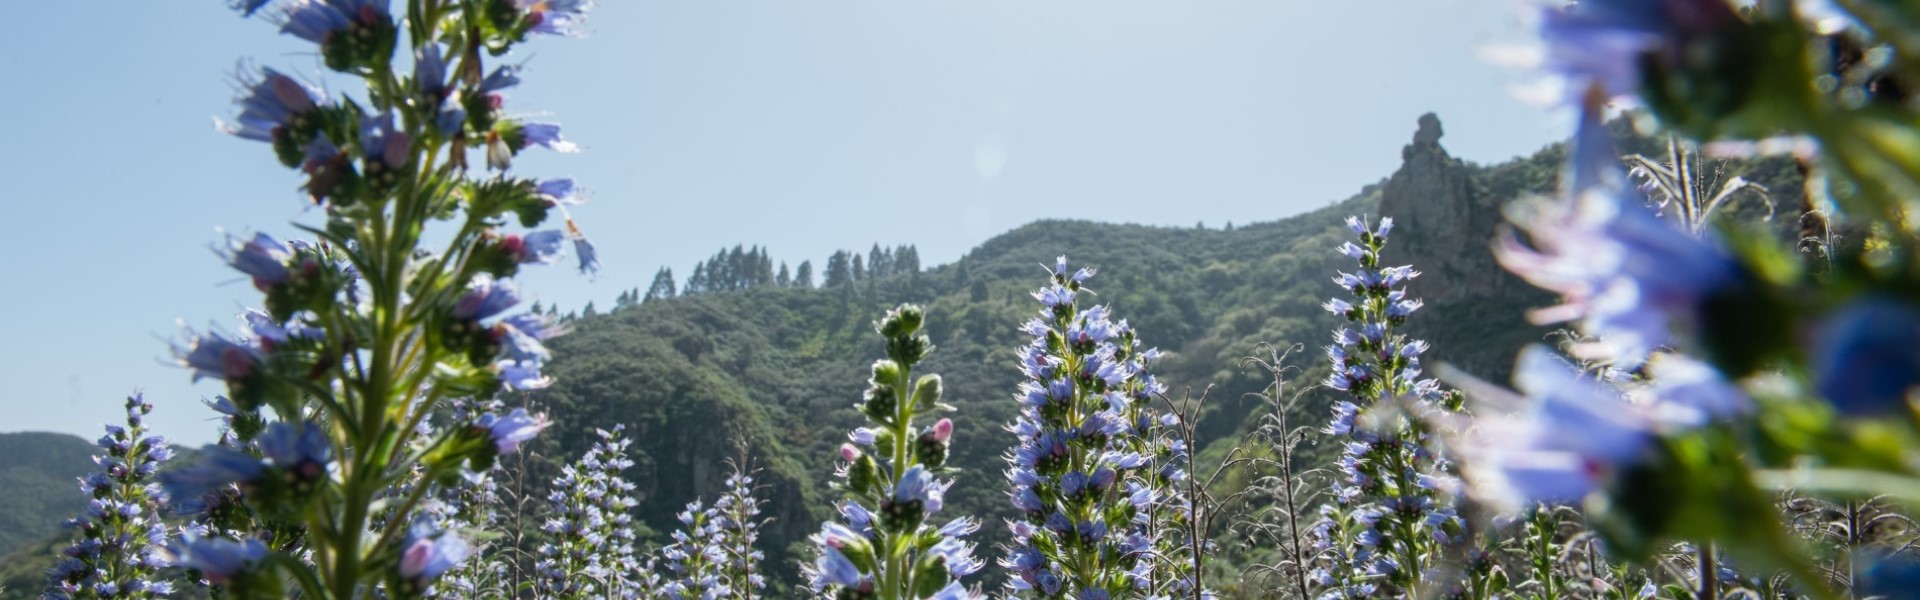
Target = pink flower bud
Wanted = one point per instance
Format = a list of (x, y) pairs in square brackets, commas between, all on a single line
[(942, 430), (849, 453)]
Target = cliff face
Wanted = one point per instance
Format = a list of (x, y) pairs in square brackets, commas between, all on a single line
[(1446, 213), (1443, 222)]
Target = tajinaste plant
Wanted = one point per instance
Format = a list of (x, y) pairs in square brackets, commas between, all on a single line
[(119, 551), (1392, 513), (1092, 474), (738, 512), (697, 556), (366, 332), (896, 552), (591, 553)]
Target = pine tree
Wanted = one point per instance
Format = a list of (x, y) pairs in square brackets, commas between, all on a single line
[(803, 278), (839, 272), (879, 262), (783, 279), (662, 287), (697, 283), (906, 259), (859, 269)]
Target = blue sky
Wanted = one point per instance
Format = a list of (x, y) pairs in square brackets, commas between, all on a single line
[(804, 126)]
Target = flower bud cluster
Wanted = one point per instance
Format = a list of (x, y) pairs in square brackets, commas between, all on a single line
[(1393, 509), (697, 556), (118, 552), (738, 514), (895, 551), (1092, 472), (591, 552)]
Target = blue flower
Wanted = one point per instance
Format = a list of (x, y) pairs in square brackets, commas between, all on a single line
[(520, 376), (317, 20), (247, 7), (430, 71), (554, 17), (485, 298), (382, 143), (214, 356), (1627, 276), (835, 568), (430, 552), (1867, 356), (561, 191), (583, 248), (217, 560), (542, 247), (262, 258), (1577, 433), (918, 485), (509, 139), (1690, 393), (272, 102), (508, 432), (302, 449), (1605, 43), (521, 335)]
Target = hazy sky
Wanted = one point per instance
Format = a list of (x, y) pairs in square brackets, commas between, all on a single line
[(802, 125)]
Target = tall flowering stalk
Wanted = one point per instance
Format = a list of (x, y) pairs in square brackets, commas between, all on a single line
[(738, 513), (119, 552), (591, 554), (1390, 517), (1092, 472), (697, 556), (472, 503), (896, 551), (366, 330)]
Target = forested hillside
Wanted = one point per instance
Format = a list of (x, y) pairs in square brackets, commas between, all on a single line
[(781, 365), (749, 350), (37, 470)]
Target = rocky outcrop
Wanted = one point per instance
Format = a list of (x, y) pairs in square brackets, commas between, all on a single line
[(1441, 224)]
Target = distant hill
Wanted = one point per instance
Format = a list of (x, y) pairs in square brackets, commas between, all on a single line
[(38, 472)]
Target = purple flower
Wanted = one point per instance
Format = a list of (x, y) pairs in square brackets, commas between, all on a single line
[(262, 258), (485, 298), (508, 432), (542, 247), (271, 103), (212, 355), (918, 485), (583, 248), (1867, 356), (545, 135), (835, 568), (382, 143), (302, 449), (430, 552), (562, 191), (1575, 435), (217, 560), (1627, 276), (502, 77), (520, 376), (1690, 393), (522, 334), (430, 71), (317, 20), (1605, 42), (508, 139), (247, 7), (555, 17)]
